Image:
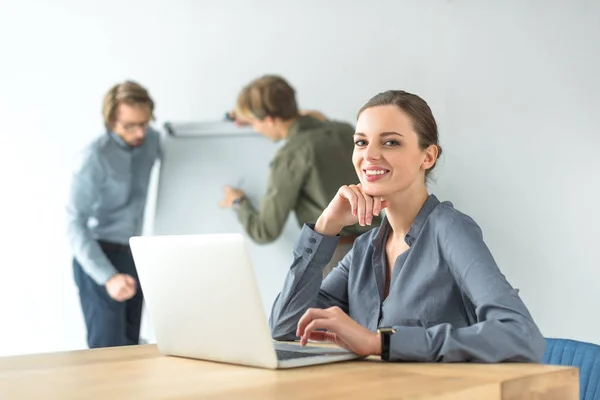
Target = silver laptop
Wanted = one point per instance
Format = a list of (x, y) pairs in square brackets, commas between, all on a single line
[(204, 303)]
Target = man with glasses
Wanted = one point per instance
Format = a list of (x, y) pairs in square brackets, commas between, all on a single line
[(106, 207)]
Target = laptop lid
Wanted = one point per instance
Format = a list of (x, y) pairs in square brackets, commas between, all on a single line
[(202, 297)]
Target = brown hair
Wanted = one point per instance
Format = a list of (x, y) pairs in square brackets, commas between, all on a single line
[(417, 110), (128, 92), (267, 96)]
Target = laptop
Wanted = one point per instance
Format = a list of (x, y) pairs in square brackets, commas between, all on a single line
[(204, 303)]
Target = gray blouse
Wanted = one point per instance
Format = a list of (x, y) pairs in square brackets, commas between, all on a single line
[(447, 299)]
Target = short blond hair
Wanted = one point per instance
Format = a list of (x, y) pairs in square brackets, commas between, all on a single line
[(128, 92), (267, 96)]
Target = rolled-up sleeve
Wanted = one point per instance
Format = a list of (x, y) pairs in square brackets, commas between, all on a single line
[(85, 189), (504, 329), (304, 286)]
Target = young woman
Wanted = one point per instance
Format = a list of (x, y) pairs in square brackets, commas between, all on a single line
[(423, 286)]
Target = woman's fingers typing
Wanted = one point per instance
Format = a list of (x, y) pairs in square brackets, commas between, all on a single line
[(319, 323), (309, 315), (313, 319), (321, 336), (334, 325)]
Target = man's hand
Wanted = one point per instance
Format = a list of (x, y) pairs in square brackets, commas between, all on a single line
[(314, 113), (237, 120), (230, 195), (340, 329), (241, 122), (121, 287)]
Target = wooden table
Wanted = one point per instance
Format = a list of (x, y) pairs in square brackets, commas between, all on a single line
[(141, 372)]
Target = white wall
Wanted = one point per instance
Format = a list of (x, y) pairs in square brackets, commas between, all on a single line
[(514, 86)]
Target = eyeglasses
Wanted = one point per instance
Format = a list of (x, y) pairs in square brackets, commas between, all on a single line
[(133, 126)]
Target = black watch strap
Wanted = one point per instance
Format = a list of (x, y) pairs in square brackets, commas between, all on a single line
[(386, 335)]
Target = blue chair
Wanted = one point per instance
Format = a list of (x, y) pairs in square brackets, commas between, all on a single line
[(584, 355)]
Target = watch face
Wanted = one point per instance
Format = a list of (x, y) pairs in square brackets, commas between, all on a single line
[(386, 330)]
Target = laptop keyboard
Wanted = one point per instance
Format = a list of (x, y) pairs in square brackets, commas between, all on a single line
[(289, 355)]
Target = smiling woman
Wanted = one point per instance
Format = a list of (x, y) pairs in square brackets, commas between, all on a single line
[(381, 112), (422, 287)]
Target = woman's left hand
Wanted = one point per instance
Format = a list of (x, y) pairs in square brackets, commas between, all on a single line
[(341, 330)]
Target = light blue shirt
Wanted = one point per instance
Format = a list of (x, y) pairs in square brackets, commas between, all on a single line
[(447, 300), (108, 197)]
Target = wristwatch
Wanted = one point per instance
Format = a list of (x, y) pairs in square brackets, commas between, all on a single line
[(386, 334), (237, 202)]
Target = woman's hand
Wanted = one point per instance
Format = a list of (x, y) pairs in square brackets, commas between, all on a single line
[(341, 330), (349, 206)]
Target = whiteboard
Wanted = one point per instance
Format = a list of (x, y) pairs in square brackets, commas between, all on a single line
[(193, 172)]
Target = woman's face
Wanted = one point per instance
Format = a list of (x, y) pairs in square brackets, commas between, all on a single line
[(387, 156)]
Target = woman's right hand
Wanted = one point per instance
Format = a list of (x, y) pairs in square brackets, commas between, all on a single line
[(350, 205)]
